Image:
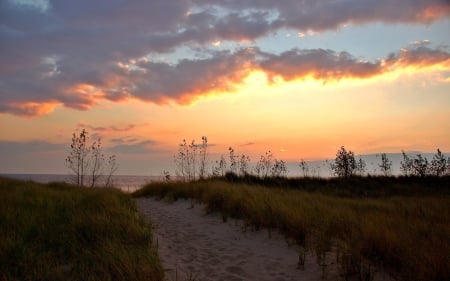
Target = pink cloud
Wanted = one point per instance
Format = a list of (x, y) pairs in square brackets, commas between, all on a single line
[(318, 63), (29, 109), (160, 82), (70, 53)]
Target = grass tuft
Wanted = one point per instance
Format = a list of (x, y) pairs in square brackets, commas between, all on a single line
[(62, 232)]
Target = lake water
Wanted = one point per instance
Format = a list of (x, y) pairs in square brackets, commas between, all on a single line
[(123, 182)]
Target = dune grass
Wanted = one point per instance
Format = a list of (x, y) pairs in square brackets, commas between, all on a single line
[(62, 232), (400, 231)]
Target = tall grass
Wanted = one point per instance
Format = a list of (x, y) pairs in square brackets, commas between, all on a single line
[(62, 232), (404, 235)]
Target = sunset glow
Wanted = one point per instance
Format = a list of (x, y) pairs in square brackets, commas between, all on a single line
[(278, 77)]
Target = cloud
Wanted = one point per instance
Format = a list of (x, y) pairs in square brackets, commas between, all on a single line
[(189, 78), (78, 53), (318, 63), (134, 148), (418, 57), (161, 82), (11, 147), (113, 128), (248, 144), (420, 42), (331, 14), (330, 65), (124, 140), (39, 5), (28, 109)]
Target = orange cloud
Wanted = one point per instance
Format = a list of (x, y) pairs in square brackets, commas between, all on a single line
[(319, 64), (222, 72), (433, 12), (184, 82), (97, 129), (81, 55), (82, 96), (420, 57), (329, 65), (30, 109)]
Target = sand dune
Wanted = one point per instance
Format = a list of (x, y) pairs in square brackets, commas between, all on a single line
[(195, 246)]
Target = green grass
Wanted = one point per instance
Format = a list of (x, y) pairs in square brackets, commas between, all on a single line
[(392, 225), (61, 232)]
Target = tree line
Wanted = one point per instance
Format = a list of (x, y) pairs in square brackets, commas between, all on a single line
[(191, 163), (90, 166), (346, 165)]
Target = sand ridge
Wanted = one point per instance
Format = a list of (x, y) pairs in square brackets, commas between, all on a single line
[(195, 246)]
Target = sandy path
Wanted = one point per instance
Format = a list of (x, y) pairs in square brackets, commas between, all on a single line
[(195, 246)]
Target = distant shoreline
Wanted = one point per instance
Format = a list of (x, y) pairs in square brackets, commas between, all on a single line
[(317, 167), (127, 183)]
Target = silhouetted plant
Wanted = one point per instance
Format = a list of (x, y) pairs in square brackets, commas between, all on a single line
[(417, 166), (304, 168), (258, 168), (264, 164), (361, 167), (88, 160), (220, 168), (112, 168), (278, 169), (345, 163), (191, 160), (233, 161), (420, 165), (329, 166), (166, 176), (244, 164), (406, 165), (96, 162), (448, 167), (203, 147), (77, 160), (386, 165), (185, 160), (180, 160), (439, 164)]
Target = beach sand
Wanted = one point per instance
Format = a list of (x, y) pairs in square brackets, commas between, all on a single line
[(195, 246)]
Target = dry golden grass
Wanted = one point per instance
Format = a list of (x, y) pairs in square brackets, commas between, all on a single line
[(62, 232), (406, 234)]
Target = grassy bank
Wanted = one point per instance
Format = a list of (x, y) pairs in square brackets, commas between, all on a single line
[(62, 232), (392, 225)]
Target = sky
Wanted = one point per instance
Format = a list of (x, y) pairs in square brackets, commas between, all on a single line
[(298, 78)]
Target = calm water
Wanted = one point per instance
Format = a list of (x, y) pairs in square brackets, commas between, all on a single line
[(123, 182)]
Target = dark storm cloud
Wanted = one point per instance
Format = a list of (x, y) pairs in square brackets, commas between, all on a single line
[(77, 53)]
